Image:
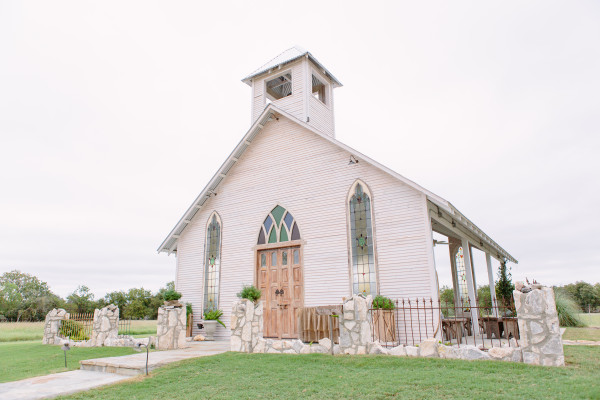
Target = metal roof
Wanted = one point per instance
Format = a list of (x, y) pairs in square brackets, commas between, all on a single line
[(169, 245), (288, 56)]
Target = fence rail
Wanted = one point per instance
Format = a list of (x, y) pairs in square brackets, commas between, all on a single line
[(124, 327), (77, 327), (412, 321)]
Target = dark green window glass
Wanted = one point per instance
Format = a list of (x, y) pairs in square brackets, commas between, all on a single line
[(283, 236), (277, 214), (273, 236)]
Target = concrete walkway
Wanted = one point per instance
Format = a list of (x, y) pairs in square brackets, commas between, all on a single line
[(103, 371)]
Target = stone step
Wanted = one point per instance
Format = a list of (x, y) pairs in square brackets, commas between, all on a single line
[(135, 364)]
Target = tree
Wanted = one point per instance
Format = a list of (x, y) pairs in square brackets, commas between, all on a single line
[(24, 296), (81, 300), (504, 286), (484, 299)]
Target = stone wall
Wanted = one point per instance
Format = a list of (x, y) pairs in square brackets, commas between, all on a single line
[(105, 327), (538, 327), (246, 326), (355, 325), (170, 330), (52, 324)]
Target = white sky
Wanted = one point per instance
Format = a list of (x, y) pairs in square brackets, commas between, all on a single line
[(115, 114)]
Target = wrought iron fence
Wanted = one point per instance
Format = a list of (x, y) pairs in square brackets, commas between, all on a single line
[(412, 321), (124, 327), (77, 327)]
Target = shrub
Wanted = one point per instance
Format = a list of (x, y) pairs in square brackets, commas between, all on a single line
[(250, 292), (382, 302), (213, 315), (171, 295), (188, 309), (73, 330), (568, 310)]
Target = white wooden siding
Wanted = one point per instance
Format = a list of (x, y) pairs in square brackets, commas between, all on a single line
[(293, 167), (301, 103)]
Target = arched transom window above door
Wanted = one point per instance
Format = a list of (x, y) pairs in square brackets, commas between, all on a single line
[(279, 226), (362, 243)]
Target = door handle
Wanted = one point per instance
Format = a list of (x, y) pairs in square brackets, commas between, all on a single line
[(281, 292), (277, 292)]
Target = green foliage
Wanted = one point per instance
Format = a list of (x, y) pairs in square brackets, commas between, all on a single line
[(188, 309), (586, 295), (504, 286), (171, 294), (73, 329), (568, 310), (382, 302), (484, 298), (24, 297), (213, 314), (81, 300), (250, 292)]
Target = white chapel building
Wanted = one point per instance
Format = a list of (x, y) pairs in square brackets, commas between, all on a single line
[(310, 220)]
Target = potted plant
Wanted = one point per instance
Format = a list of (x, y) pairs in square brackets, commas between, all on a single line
[(211, 318), (250, 292), (384, 323), (172, 298)]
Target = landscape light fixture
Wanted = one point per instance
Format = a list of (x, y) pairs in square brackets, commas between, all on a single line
[(65, 347), (138, 347)]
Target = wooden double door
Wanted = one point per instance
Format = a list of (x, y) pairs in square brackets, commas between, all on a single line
[(281, 281)]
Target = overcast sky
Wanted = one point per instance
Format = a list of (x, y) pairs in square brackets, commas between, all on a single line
[(115, 114)]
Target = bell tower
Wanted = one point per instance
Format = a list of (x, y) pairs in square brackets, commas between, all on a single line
[(298, 84)]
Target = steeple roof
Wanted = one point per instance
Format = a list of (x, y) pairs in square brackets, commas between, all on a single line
[(288, 56)]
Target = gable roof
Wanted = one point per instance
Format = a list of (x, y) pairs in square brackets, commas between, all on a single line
[(169, 245), (286, 57)]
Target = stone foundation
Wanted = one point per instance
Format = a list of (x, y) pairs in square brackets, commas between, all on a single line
[(170, 330), (105, 327), (538, 327)]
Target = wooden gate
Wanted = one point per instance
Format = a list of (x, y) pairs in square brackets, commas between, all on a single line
[(281, 281)]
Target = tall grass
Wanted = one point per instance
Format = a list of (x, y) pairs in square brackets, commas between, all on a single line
[(568, 310)]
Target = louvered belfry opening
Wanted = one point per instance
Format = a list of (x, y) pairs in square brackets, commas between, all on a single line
[(280, 87)]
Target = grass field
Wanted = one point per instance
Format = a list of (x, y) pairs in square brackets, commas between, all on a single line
[(18, 331), (22, 359), (317, 376), (591, 319)]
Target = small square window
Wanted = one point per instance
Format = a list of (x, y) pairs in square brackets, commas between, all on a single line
[(279, 87), (319, 89)]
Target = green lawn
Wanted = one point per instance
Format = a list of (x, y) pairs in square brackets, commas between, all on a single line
[(20, 360), (318, 376), (591, 319), (582, 334), (16, 331)]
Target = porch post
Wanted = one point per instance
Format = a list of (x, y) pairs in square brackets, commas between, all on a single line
[(470, 286), (488, 259)]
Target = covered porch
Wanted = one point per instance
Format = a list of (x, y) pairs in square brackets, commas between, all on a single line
[(457, 243)]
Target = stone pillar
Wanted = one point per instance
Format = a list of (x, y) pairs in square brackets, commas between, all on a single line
[(105, 327), (355, 325), (170, 329), (247, 326), (52, 324), (538, 327)]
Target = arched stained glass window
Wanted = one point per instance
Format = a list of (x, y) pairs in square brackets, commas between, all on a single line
[(361, 238), (212, 262), (279, 226), (461, 275)]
